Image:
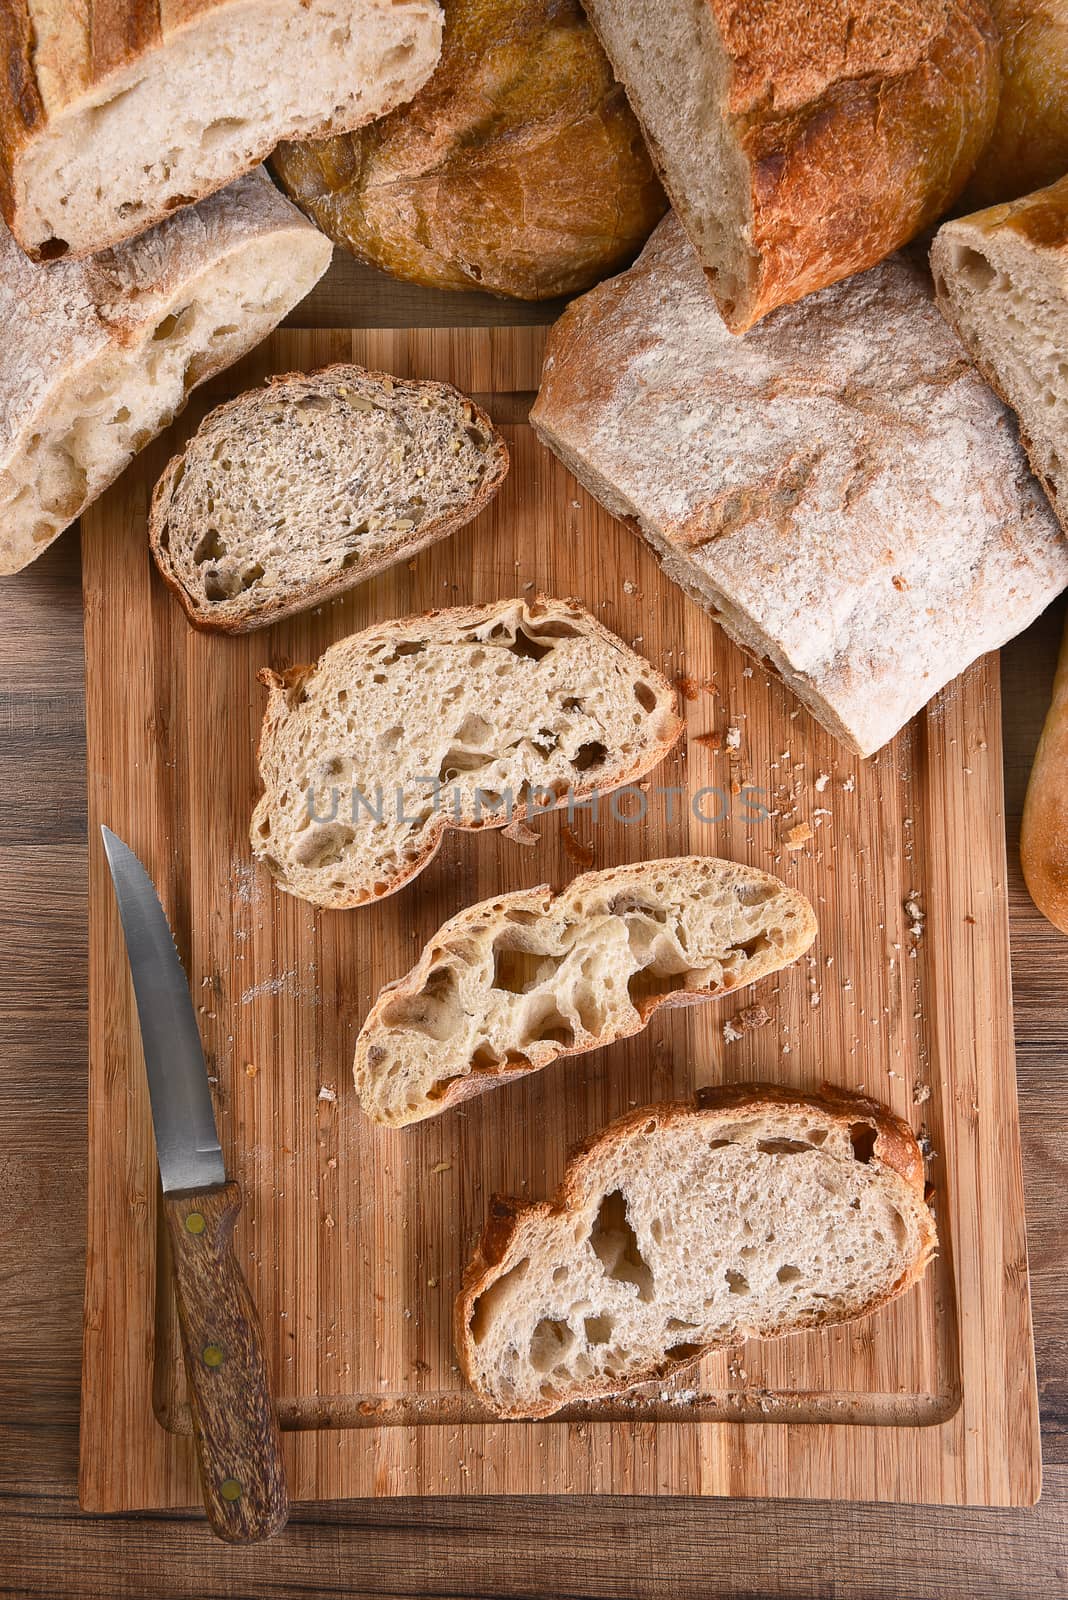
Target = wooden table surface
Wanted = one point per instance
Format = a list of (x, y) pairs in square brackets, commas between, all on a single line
[(557, 1547)]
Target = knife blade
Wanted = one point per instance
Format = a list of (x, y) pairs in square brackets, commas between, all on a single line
[(235, 1425)]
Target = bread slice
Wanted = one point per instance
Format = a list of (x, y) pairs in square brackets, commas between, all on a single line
[(98, 356), (291, 494), (468, 718), (113, 116), (839, 489), (801, 143), (507, 986), (1001, 279), (681, 1229)]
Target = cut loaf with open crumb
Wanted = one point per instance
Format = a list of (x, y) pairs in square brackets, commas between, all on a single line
[(113, 116), (681, 1229), (291, 494), (468, 718), (1001, 280), (507, 986), (98, 356)]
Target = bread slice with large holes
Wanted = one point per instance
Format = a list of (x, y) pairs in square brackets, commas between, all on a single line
[(292, 493), (467, 718), (508, 986), (680, 1229), (1001, 281)]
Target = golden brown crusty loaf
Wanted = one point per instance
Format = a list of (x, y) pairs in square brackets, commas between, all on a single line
[(801, 143), (519, 168), (1028, 148), (680, 1229), (114, 113), (1044, 832)]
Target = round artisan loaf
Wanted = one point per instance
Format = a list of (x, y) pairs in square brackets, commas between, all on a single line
[(519, 168), (1028, 148), (1044, 834)]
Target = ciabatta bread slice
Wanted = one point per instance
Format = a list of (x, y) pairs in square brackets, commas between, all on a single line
[(467, 718), (291, 494), (1001, 279), (98, 356), (113, 116), (507, 986), (686, 1228)]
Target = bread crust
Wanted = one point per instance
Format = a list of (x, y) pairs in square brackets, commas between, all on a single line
[(226, 617), (1044, 830), (1029, 145), (541, 1053), (510, 1220)]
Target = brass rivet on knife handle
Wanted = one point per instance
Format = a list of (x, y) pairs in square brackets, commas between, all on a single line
[(234, 1420)]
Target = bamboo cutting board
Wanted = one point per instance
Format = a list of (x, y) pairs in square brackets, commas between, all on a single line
[(354, 1239)]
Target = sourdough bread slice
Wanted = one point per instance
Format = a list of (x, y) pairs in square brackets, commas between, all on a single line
[(113, 116), (686, 1228), (1001, 280), (839, 489), (99, 355), (468, 718), (291, 494), (507, 986)]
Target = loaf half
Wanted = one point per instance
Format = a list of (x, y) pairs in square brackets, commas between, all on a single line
[(1044, 830), (682, 1229), (506, 987), (288, 495), (99, 356), (1001, 278), (801, 143), (113, 116), (468, 718), (519, 168), (840, 488)]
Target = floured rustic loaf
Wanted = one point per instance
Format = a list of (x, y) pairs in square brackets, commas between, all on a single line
[(682, 1229), (114, 115), (840, 488), (98, 356), (802, 142), (507, 986), (465, 719), (292, 493), (1001, 278)]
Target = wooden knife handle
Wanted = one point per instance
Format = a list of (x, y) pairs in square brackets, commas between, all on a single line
[(234, 1422)]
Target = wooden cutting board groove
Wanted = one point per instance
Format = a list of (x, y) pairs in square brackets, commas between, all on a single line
[(354, 1239)]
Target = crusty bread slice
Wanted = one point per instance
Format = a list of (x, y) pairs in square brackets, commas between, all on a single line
[(291, 494), (507, 986), (467, 718), (113, 116), (1001, 280), (686, 1228), (99, 355)]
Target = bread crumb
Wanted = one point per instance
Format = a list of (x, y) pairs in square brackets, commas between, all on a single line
[(733, 738), (798, 836), (730, 1032), (754, 1016), (822, 781), (629, 587), (442, 1166), (687, 688), (921, 1093), (849, 784), (581, 854), (710, 741), (518, 832), (251, 1069), (327, 1092)]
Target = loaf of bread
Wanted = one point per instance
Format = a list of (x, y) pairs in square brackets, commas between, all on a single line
[(293, 493), (1044, 832), (687, 1228), (506, 987), (1029, 145), (519, 168), (99, 355), (840, 489), (801, 143), (468, 718), (1001, 279), (114, 115)]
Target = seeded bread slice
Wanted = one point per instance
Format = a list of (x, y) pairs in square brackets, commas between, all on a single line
[(507, 986), (291, 494), (686, 1228), (440, 721)]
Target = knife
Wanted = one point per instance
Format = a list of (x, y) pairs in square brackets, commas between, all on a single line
[(235, 1426)]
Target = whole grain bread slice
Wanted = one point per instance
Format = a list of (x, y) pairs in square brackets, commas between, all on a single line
[(506, 987), (468, 718), (290, 494), (680, 1229)]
